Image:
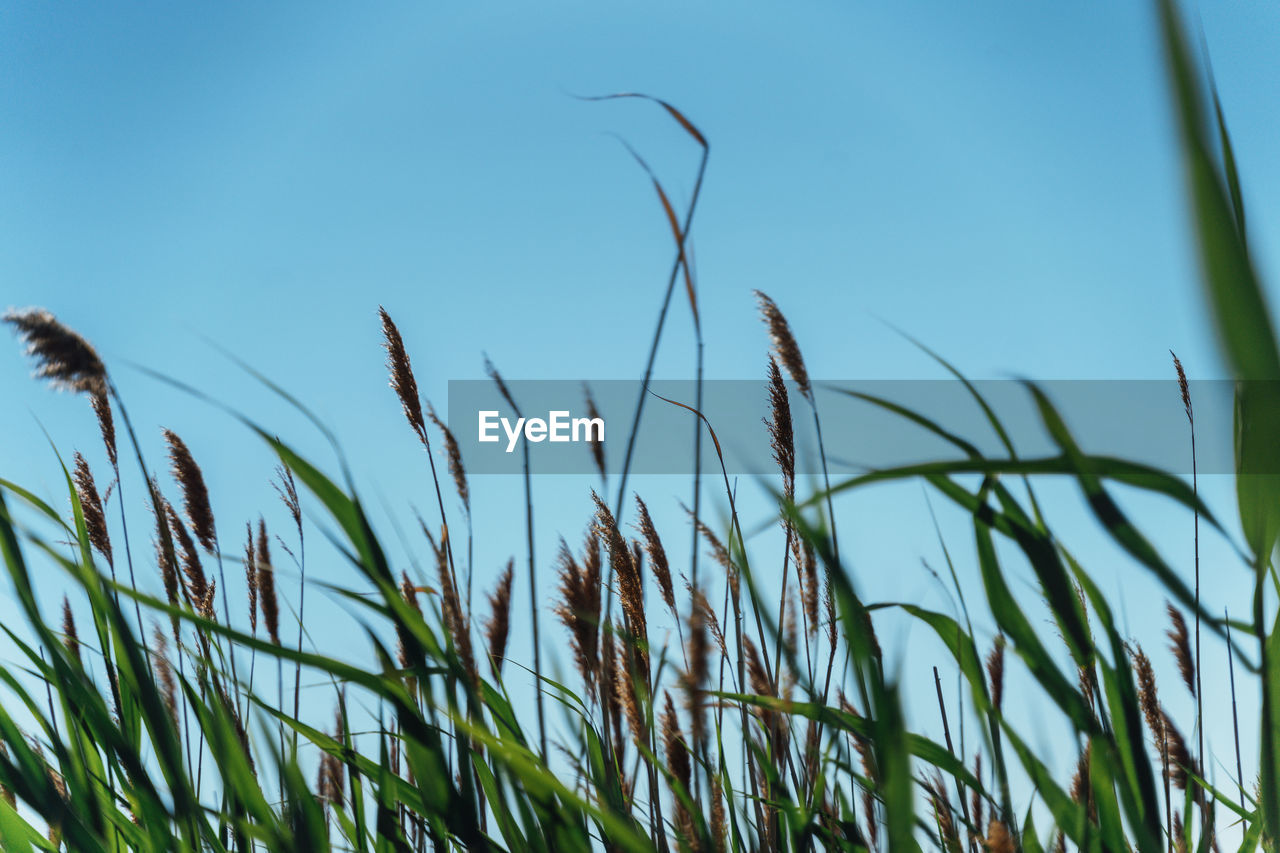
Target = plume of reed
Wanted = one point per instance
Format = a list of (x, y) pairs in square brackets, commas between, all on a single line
[(629, 681), (62, 357), (1081, 790), (69, 635), (976, 801), (197, 584), (784, 343), (164, 675), (454, 456), (999, 839), (995, 672), (402, 379), (596, 447), (195, 495), (611, 685), (681, 768), (267, 599), (1180, 645), (630, 589), (251, 577), (287, 489), (164, 554), (1148, 698), (106, 424), (695, 677), (781, 433), (719, 820), (404, 642), (498, 626), (95, 519), (579, 609), (455, 620), (943, 815), (1182, 767), (807, 570), (657, 557)]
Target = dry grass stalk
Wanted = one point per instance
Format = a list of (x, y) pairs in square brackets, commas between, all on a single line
[(975, 799), (719, 820), (165, 557), (195, 495), (784, 343), (630, 681), (498, 627), (1081, 789), (69, 635), (611, 684), (657, 557), (62, 356), (266, 576), (95, 519), (106, 424), (995, 672), (1180, 644), (1148, 698), (287, 489), (402, 380), (454, 455), (579, 608), (1183, 388)]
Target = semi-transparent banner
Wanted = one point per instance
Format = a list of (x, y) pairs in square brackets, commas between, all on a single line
[(1140, 421)]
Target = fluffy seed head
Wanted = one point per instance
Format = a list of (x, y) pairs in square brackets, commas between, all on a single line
[(499, 624), (784, 343), (195, 496), (781, 433), (267, 585), (1180, 644), (69, 635), (106, 424), (95, 520), (1183, 388), (657, 556), (251, 577), (454, 454), (402, 380), (995, 671), (62, 356), (597, 447)]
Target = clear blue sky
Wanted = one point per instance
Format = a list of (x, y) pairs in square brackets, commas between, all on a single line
[(998, 179)]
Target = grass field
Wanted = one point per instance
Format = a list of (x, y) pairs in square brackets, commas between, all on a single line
[(772, 723)]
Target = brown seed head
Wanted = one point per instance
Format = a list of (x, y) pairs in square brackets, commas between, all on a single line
[(267, 585), (95, 519), (69, 635), (251, 577), (657, 557), (402, 381), (597, 447), (499, 624), (164, 674), (784, 343), (781, 433), (630, 590), (197, 584), (1180, 644), (287, 489), (1183, 388), (106, 425), (195, 496), (999, 840), (579, 610), (995, 671), (62, 356), (454, 454)]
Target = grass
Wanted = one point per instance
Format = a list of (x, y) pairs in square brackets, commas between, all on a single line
[(772, 724)]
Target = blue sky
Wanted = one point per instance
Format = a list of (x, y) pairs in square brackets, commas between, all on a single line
[(1000, 180)]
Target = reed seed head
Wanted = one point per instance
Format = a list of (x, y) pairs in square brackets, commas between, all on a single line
[(402, 380), (197, 584), (287, 489), (499, 624), (657, 556), (1180, 644), (69, 635), (995, 672), (267, 599), (1183, 388), (597, 447), (784, 344), (579, 609), (195, 495), (251, 577), (95, 519), (454, 455), (106, 424), (781, 433), (62, 356)]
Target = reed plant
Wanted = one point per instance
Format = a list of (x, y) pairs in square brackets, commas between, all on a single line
[(772, 723)]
